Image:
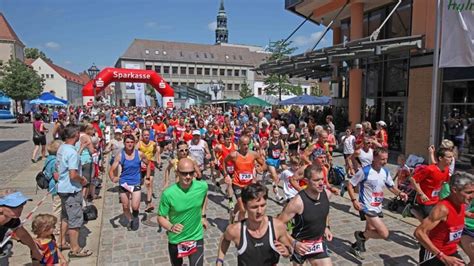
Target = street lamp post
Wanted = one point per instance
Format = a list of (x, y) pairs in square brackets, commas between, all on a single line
[(92, 72)]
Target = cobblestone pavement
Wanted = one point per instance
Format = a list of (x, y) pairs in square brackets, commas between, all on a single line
[(16, 146), (147, 246)]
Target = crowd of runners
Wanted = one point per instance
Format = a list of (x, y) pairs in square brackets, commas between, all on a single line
[(243, 154)]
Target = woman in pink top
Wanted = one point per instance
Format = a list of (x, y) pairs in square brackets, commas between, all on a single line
[(39, 138)]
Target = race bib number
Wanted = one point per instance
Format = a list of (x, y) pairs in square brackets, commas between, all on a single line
[(186, 248), (316, 246), (435, 193), (377, 199), (167, 137), (455, 233), (245, 177), (230, 169), (276, 153)]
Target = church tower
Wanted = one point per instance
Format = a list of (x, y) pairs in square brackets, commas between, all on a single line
[(222, 34)]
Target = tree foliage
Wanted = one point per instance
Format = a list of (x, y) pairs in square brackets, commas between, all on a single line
[(278, 84), (245, 91), (19, 81), (316, 90), (34, 53)]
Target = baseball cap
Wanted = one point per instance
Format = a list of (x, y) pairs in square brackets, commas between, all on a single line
[(196, 132), (118, 130), (358, 126), (14, 200)]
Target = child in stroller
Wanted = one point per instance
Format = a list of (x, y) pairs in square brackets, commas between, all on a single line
[(402, 179)]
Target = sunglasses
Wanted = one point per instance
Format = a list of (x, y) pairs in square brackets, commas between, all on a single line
[(191, 173), (183, 150)]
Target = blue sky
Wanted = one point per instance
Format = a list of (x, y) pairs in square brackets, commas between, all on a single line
[(74, 34)]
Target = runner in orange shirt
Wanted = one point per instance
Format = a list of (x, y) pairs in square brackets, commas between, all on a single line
[(222, 150), (244, 169)]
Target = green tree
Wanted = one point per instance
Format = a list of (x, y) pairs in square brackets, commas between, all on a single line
[(19, 81), (34, 53), (150, 91), (316, 90), (278, 84), (245, 91)]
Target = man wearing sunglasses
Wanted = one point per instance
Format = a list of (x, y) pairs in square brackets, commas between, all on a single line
[(182, 213), (182, 152)]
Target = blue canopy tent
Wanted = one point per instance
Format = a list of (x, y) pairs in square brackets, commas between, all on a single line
[(5, 107), (307, 100), (49, 98)]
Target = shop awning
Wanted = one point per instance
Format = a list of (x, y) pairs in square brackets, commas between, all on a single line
[(319, 63)]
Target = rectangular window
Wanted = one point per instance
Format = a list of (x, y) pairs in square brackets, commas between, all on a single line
[(47, 76), (166, 69), (207, 71), (229, 72), (243, 72), (229, 87), (236, 72), (42, 75), (199, 71), (222, 72), (175, 70), (237, 87), (192, 84), (191, 71), (158, 69), (214, 71), (52, 76), (259, 91), (148, 67), (183, 71)]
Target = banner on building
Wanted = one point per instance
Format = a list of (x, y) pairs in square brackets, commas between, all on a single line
[(457, 34), (137, 88)]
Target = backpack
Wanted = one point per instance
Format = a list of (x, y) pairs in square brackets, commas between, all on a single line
[(90, 213), (42, 181), (336, 175)]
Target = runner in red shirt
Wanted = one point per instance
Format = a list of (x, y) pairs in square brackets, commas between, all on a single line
[(222, 151), (440, 233), (428, 181)]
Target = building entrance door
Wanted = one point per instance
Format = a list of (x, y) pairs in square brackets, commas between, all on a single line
[(394, 114)]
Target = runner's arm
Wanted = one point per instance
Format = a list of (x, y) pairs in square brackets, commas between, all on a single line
[(114, 166), (197, 169), (438, 214), (260, 161), (291, 209), (282, 236), (167, 173), (224, 243)]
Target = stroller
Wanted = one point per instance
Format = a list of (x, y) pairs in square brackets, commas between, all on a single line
[(411, 163)]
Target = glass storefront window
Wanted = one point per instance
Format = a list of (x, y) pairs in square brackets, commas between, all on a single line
[(396, 78), (400, 22), (457, 115)]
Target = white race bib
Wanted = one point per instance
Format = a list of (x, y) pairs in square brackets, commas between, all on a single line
[(230, 169), (316, 246), (276, 153), (377, 199), (435, 193), (245, 177), (455, 234), (186, 248)]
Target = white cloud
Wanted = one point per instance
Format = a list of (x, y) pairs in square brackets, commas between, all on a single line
[(212, 26), (309, 40), (52, 45)]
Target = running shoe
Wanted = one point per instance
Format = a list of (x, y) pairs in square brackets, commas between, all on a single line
[(134, 224), (356, 252), (360, 242), (343, 189), (153, 195)]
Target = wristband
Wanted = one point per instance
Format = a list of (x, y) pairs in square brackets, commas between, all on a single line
[(220, 260), (353, 200), (328, 227), (204, 216)]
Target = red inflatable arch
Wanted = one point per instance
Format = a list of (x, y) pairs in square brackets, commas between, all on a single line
[(109, 75)]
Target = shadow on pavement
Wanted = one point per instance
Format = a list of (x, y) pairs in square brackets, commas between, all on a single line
[(121, 220), (5, 145), (342, 248), (220, 223), (217, 199), (84, 232), (343, 208), (403, 239), (402, 260)]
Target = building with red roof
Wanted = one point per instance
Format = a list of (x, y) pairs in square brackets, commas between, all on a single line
[(10, 45)]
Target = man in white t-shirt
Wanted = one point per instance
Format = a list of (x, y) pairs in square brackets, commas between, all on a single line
[(371, 180)]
